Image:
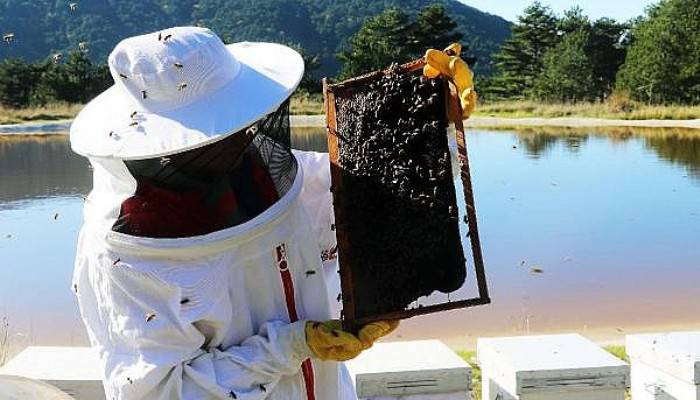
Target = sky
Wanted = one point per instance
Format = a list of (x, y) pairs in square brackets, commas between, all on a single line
[(618, 9)]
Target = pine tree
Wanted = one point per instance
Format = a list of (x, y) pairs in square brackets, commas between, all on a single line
[(17, 80), (434, 29), (521, 58), (392, 37), (380, 41)]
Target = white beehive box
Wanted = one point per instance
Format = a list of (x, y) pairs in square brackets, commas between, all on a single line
[(74, 370), (424, 370), (665, 366), (566, 367)]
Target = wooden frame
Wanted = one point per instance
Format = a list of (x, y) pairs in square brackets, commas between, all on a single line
[(344, 245)]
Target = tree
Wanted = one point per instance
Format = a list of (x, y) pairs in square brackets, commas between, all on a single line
[(605, 47), (381, 41), (433, 28), (521, 58), (663, 61), (76, 81), (309, 82), (17, 80), (568, 71)]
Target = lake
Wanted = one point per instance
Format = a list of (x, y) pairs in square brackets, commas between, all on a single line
[(612, 220)]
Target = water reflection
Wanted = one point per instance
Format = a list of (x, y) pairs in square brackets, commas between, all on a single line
[(39, 167), (684, 151), (611, 218)]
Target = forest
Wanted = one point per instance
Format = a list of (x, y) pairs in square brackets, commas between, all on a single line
[(542, 57)]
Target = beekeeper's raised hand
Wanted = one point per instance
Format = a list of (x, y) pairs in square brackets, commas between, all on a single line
[(449, 64), (328, 341)]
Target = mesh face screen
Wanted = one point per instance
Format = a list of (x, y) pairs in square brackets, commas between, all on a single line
[(213, 187)]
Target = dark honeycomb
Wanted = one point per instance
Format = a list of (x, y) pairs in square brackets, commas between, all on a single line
[(399, 197)]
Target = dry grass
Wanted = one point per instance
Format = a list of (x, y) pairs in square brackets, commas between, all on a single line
[(615, 108), (307, 104), (51, 112)]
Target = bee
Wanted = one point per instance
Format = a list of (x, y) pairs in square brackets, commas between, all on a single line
[(123, 76), (131, 381), (339, 298), (536, 270), (135, 123), (232, 395), (82, 46), (184, 301), (55, 216), (310, 273), (178, 65), (117, 261), (73, 6), (181, 86), (164, 161), (8, 37), (150, 317), (111, 133), (144, 94), (262, 388), (133, 114), (160, 36), (57, 58), (167, 37), (75, 288), (8, 236)]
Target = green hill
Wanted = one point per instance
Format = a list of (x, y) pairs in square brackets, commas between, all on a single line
[(44, 27)]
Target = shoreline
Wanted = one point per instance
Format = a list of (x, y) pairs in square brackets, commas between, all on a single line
[(318, 121)]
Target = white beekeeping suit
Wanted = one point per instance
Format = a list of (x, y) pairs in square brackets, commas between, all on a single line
[(220, 314)]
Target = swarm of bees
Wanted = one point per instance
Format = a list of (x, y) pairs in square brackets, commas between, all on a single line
[(8, 38)]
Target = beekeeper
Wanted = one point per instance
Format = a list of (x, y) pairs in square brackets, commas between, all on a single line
[(200, 265)]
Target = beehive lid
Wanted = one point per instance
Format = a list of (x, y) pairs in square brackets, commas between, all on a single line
[(676, 353), (532, 364), (55, 364), (20, 388), (405, 368)]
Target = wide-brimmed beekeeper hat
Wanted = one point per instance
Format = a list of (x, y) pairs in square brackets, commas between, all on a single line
[(180, 89)]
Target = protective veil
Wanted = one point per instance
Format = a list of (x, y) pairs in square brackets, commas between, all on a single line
[(183, 312), (210, 316)]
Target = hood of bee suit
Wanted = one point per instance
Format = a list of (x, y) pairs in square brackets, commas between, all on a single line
[(180, 89)]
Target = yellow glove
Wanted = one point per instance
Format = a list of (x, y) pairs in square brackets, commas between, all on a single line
[(328, 341), (449, 64), (374, 331)]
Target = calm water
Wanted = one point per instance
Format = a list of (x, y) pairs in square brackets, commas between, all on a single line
[(612, 221)]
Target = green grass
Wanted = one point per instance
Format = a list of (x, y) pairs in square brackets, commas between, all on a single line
[(470, 357)]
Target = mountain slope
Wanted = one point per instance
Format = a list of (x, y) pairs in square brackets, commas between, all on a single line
[(42, 27)]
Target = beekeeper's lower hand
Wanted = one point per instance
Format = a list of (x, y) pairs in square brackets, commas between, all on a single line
[(328, 341), (449, 64)]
